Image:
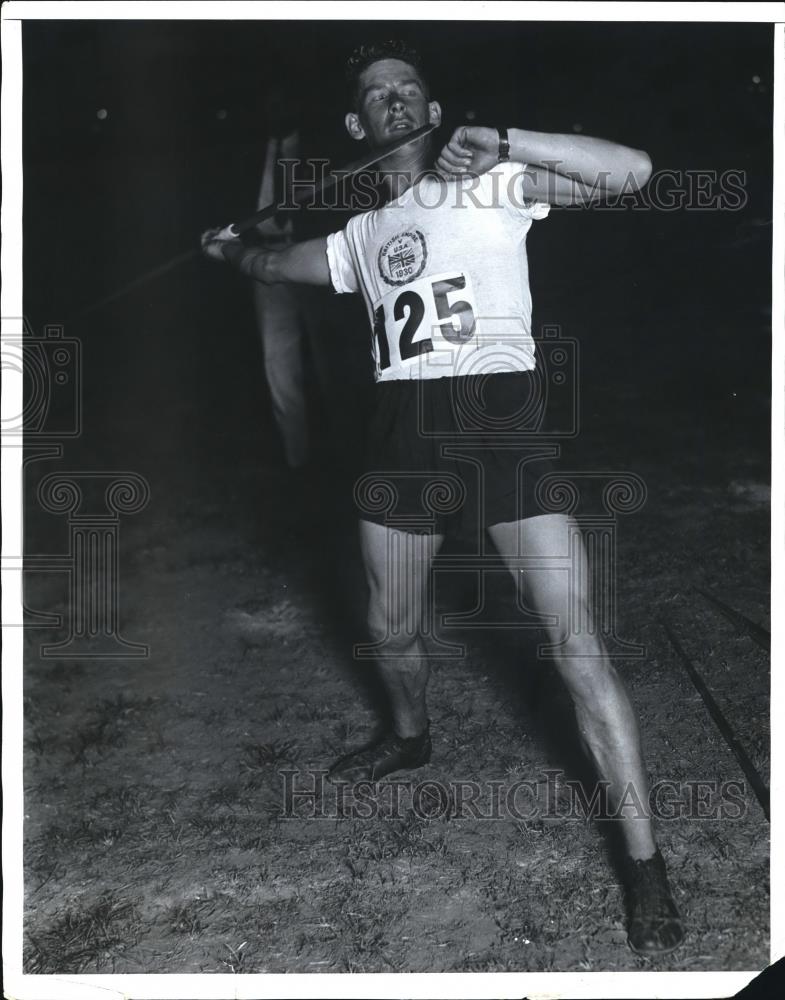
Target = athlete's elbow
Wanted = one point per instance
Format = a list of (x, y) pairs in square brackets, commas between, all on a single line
[(640, 169), (630, 172)]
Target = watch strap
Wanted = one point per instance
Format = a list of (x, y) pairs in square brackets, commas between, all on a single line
[(504, 145)]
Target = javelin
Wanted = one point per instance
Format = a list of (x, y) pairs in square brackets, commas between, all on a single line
[(266, 213)]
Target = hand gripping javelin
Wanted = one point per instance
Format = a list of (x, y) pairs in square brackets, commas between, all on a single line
[(372, 157)]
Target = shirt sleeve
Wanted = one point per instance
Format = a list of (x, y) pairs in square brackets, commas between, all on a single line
[(512, 192), (342, 272)]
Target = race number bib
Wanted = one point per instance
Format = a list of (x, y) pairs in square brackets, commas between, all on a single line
[(436, 313)]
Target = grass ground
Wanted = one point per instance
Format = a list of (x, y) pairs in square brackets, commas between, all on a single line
[(158, 836)]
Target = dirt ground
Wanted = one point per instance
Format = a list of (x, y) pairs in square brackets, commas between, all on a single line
[(158, 835)]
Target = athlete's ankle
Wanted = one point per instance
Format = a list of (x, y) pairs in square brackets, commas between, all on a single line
[(411, 729)]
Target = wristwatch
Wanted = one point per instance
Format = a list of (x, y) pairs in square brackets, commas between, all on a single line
[(504, 145)]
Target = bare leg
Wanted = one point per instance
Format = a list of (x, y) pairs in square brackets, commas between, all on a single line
[(397, 567), (607, 723)]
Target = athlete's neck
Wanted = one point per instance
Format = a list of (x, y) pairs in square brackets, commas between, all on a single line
[(404, 167)]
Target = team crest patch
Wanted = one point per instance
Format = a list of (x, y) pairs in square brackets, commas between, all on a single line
[(403, 258)]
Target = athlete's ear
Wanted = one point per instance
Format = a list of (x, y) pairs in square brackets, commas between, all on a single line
[(353, 126), (434, 113)]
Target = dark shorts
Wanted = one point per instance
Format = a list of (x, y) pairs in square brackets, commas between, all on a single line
[(455, 455)]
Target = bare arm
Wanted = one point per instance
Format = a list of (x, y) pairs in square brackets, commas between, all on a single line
[(302, 263), (563, 169), (589, 161)]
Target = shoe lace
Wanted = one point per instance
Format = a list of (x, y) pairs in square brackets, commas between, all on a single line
[(649, 890)]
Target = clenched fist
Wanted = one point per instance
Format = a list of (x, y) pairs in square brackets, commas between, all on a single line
[(213, 241), (472, 150)]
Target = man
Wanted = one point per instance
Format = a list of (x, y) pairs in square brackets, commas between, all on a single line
[(443, 270), (284, 318), (300, 325)]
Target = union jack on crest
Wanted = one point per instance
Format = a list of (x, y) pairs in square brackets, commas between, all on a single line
[(404, 258)]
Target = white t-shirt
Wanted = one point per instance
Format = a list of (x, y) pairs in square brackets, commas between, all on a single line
[(445, 277)]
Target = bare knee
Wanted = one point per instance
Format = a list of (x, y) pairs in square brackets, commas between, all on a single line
[(389, 627)]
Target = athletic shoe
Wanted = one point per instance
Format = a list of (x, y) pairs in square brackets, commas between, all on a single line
[(655, 927), (390, 753)]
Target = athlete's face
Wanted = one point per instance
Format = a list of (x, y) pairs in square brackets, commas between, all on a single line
[(392, 101)]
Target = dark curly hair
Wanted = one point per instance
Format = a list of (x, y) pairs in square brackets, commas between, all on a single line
[(365, 55)]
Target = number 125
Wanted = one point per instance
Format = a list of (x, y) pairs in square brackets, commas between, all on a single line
[(458, 329)]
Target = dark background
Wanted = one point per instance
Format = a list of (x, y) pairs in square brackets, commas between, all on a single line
[(246, 583), (671, 309)]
